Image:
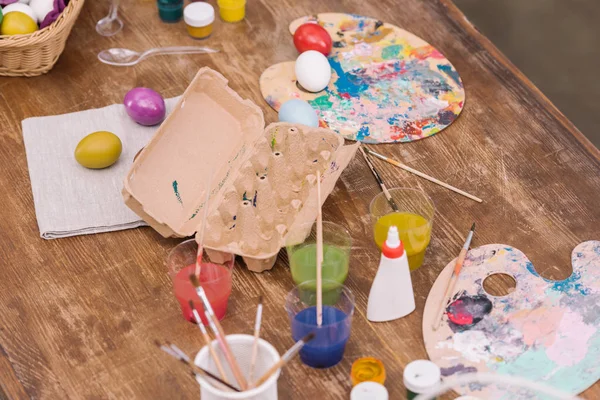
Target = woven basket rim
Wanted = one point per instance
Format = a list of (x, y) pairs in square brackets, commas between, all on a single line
[(62, 22)]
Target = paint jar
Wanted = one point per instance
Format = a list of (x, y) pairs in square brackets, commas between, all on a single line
[(215, 278), (199, 18), (414, 220), (367, 369), (232, 10), (170, 10), (420, 377), (241, 347), (328, 346), (337, 243), (369, 391)]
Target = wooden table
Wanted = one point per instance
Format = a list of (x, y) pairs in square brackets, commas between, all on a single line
[(79, 315)]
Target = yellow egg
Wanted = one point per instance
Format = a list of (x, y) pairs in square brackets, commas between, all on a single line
[(98, 150), (17, 23)]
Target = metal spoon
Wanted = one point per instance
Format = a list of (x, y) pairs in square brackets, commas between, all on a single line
[(111, 24), (127, 58)]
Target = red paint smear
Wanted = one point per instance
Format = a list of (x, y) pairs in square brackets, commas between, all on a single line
[(345, 96), (323, 124), (460, 316)]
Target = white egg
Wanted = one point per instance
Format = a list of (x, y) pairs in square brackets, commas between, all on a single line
[(41, 8), (313, 71), (24, 8)]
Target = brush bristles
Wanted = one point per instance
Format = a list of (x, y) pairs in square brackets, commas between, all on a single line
[(260, 299), (191, 303), (308, 337), (473, 226), (194, 280)]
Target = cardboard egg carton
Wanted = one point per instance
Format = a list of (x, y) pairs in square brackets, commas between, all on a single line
[(262, 181)]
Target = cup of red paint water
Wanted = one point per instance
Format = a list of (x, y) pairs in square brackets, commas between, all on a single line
[(215, 277), (327, 348)]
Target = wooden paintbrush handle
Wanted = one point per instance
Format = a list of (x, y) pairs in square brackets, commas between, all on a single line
[(235, 368)]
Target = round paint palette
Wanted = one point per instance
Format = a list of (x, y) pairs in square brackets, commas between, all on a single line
[(545, 331), (387, 84)]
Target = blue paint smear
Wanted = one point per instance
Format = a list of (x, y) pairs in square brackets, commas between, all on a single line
[(570, 284), (362, 132), (530, 268), (343, 83), (451, 72), (175, 184)]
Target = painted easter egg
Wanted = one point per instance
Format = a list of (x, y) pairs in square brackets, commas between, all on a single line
[(98, 150), (145, 106), (24, 8), (298, 111), (41, 8), (313, 71), (17, 23), (312, 36)]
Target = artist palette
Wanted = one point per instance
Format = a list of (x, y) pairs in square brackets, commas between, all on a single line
[(545, 331), (387, 84)]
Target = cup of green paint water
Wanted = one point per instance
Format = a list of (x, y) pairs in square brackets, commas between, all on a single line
[(302, 256), (413, 219)]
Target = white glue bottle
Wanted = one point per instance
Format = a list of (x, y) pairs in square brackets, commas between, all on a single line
[(391, 295)]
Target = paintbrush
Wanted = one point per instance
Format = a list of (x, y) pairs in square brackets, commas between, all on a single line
[(386, 193), (319, 253), (453, 279), (422, 175), (177, 353), (207, 340), (257, 323), (291, 353), (215, 326)]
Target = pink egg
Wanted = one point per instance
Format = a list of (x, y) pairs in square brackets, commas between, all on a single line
[(145, 106)]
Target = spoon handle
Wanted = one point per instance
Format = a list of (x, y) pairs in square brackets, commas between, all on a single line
[(114, 7), (178, 50)]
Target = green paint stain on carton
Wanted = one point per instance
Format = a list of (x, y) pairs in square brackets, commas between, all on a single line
[(175, 184), (321, 102), (391, 52)]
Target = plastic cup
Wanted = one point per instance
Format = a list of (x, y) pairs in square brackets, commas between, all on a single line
[(241, 347), (215, 278), (337, 244), (232, 10), (414, 220), (327, 348)]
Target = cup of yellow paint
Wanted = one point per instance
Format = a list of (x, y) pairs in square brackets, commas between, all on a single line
[(413, 219), (232, 10), (199, 18)]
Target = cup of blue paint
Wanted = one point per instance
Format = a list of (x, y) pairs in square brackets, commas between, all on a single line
[(328, 346)]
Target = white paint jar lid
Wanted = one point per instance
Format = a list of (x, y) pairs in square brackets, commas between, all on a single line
[(198, 14), (421, 376), (369, 391)]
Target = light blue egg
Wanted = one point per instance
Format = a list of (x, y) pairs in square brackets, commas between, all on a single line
[(298, 111)]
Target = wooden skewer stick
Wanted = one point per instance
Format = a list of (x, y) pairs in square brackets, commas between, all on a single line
[(257, 323), (208, 341), (384, 189), (453, 279), (219, 333), (291, 353), (203, 226), (424, 176), (177, 353), (319, 253)]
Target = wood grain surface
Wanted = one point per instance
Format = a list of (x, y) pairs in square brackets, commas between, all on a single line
[(79, 315)]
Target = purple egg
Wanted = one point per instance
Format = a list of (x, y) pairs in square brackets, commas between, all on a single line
[(145, 106)]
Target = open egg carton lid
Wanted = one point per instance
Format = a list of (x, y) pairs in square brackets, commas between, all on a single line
[(215, 140)]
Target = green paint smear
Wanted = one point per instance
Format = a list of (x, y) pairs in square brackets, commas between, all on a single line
[(175, 184), (391, 52), (321, 103)]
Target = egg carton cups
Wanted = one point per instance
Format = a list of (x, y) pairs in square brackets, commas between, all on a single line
[(262, 181)]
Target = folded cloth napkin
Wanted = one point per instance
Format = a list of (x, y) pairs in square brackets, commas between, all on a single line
[(69, 199)]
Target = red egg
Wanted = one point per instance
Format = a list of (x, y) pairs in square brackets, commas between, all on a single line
[(312, 36)]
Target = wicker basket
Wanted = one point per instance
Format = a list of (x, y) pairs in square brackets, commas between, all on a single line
[(36, 53)]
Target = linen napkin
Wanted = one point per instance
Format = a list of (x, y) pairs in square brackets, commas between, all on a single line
[(69, 199)]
